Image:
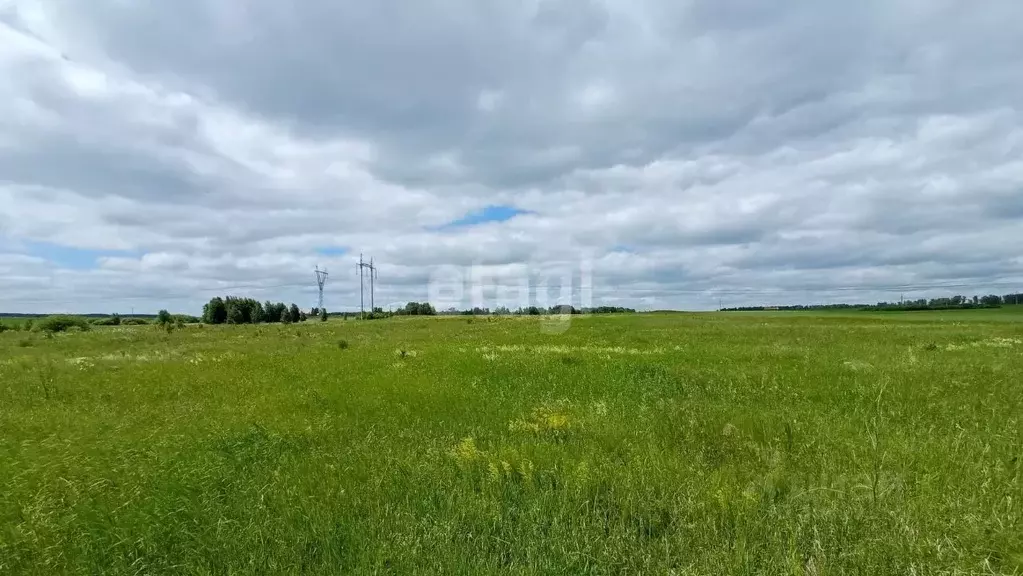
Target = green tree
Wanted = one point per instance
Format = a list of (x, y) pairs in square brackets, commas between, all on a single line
[(323, 314), (163, 318), (286, 316), (991, 300), (215, 312), (295, 313), (236, 315)]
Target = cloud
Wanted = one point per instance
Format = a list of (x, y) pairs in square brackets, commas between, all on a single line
[(815, 151)]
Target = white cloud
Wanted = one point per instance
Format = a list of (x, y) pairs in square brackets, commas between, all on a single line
[(489, 100), (816, 150)]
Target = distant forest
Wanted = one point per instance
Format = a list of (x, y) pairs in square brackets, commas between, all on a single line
[(950, 303), (427, 309)]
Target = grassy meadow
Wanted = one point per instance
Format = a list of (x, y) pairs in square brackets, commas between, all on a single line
[(745, 443)]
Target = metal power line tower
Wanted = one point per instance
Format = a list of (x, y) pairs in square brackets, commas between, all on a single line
[(321, 279), (362, 266)]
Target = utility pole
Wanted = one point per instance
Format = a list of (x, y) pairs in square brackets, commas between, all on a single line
[(321, 279), (372, 290), (362, 266), (362, 305)]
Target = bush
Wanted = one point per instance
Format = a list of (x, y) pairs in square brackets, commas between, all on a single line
[(27, 326), (135, 322), (163, 318), (342, 344), (323, 315), (114, 320), (4, 328), (62, 323)]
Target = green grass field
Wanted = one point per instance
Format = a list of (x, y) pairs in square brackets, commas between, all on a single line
[(657, 444)]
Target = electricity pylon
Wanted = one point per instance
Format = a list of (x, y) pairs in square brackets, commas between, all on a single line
[(321, 279)]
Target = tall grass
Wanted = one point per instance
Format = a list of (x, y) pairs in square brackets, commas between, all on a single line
[(686, 444)]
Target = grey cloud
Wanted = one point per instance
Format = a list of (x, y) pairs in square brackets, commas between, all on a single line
[(798, 150)]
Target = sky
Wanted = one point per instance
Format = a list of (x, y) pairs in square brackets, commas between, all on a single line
[(644, 153)]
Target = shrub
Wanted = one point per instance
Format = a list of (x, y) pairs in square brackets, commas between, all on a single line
[(27, 326), (4, 328), (163, 318), (62, 323), (323, 315), (114, 320), (135, 322), (342, 344)]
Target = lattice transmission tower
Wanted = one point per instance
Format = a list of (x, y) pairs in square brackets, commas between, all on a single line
[(321, 279)]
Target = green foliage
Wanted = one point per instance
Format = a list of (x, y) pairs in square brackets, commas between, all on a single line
[(62, 323), (323, 315), (164, 318), (235, 315), (235, 310), (134, 322), (416, 309), (4, 328), (27, 325), (244, 310), (215, 311), (958, 302), (114, 320), (285, 316)]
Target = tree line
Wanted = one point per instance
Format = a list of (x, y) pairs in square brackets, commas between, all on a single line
[(235, 310), (426, 309), (957, 302)]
